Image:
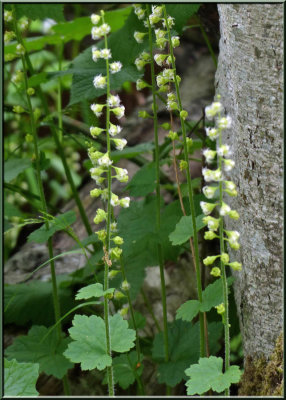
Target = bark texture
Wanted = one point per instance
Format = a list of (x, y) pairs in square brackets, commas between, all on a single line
[(250, 81)]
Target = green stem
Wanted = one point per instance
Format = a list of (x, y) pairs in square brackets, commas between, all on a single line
[(190, 193), (223, 276), (108, 223), (158, 195), (59, 102)]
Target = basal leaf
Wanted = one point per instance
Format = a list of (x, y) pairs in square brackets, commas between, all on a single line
[(143, 182), (207, 374), (89, 340), (184, 349), (14, 166), (94, 290), (188, 310), (24, 303), (184, 229), (125, 367), (48, 352), (20, 379), (61, 222)]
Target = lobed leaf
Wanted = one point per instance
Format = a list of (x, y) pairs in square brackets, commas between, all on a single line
[(89, 340), (144, 181), (207, 374), (14, 166), (125, 368), (48, 353), (20, 378)]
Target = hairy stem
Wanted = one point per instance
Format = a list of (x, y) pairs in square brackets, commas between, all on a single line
[(108, 223), (190, 193), (158, 195)]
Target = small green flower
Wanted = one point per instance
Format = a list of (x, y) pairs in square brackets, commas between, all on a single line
[(220, 308), (215, 272), (115, 253), (183, 165), (118, 240), (209, 260), (224, 258), (101, 215), (184, 114), (236, 266)]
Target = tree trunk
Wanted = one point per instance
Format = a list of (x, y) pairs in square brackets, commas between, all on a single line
[(250, 81)]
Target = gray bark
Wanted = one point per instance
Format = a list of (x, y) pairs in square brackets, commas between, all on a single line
[(250, 81)]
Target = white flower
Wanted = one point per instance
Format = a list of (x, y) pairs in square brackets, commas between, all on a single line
[(105, 53), (104, 161), (120, 143), (125, 202), (207, 207), (212, 110), (212, 133), (217, 175), (209, 155), (96, 33), (139, 12), (114, 201), (24, 24), (47, 25), (139, 63), (105, 29), (225, 209), (113, 226), (224, 150), (119, 111), (159, 59), (95, 53), (99, 81), (229, 185), (209, 191), (97, 109), (228, 164), (207, 173), (20, 49), (157, 10), (233, 236), (168, 73), (115, 67), (95, 19), (224, 122), (175, 41), (114, 101), (121, 174), (160, 34), (170, 21), (114, 129)]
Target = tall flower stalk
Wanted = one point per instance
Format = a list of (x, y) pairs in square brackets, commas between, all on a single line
[(102, 169), (217, 224)]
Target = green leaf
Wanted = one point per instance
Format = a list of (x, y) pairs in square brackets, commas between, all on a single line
[(184, 349), (188, 310), (78, 28), (14, 166), (140, 321), (24, 303), (89, 345), (184, 229), (143, 182), (48, 352), (212, 296), (207, 374), (20, 378), (40, 11), (130, 152), (59, 223), (181, 13), (124, 368), (94, 290)]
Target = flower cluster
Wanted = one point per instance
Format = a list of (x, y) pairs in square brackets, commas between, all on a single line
[(103, 169), (216, 190)]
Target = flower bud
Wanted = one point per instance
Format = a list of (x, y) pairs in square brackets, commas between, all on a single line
[(236, 266), (233, 214), (139, 36), (113, 273), (123, 311), (30, 91), (215, 272), (18, 109), (8, 36), (115, 253), (20, 49), (140, 84), (118, 240), (37, 113), (220, 308), (224, 258), (101, 235), (95, 19), (210, 235), (183, 165), (125, 202), (118, 295), (209, 191), (166, 126), (101, 215), (209, 260), (207, 207), (173, 135), (175, 41), (183, 114), (213, 223), (125, 285), (29, 138), (95, 192), (95, 131), (144, 114)]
